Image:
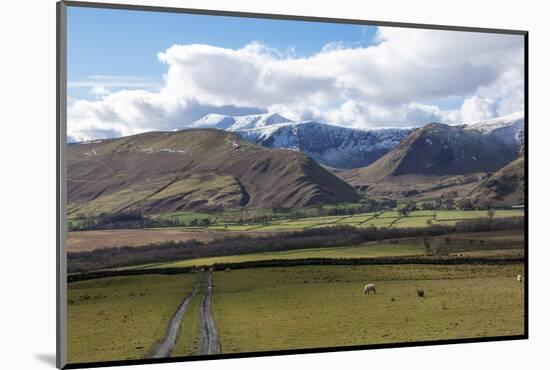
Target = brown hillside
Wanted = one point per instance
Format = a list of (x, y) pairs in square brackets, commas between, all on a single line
[(198, 169), (438, 150), (505, 187)]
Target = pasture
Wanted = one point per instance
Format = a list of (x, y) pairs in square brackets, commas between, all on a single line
[(321, 306), (389, 218), (261, 309), (88, 240), (121, 318)]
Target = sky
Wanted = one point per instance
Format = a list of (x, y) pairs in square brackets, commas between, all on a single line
[(135, 71)]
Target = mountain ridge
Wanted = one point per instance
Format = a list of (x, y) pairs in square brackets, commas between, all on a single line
[(237, 123), (345, 148), (328, 144)]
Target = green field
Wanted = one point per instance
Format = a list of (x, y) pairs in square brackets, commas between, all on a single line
[(412, 222), (296, 307), (363, 251), (391, 214), (379, 222), (381, 219), (315, 306), (121, 318), (227, 221)]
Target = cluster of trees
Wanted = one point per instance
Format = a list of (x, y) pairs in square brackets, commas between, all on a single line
[(366, 206), (121, 220), (442, 203), (130, 220), (409, 207), (369, 205), (202, 222), (257, 219), (310, 238)]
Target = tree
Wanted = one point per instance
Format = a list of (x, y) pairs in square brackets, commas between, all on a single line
[(319, 209), (429, 205), (447, 203), (466, 204), (204, 222), (408, 208)]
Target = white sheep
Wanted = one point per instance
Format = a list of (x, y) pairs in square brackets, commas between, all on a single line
[(369, 288), (519, 278)]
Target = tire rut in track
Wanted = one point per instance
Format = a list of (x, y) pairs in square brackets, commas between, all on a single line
[(209, 343), (166, 346)]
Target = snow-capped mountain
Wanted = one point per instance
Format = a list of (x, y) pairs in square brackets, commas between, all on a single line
[(331, 145), (508, 129), (346, 148), (238, 123), (328, 144), (438, 149)]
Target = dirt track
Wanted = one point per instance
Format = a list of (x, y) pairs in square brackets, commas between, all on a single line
[(209, 341), (165, 347)]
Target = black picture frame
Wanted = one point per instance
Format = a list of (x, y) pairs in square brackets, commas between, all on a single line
[(61, 198)]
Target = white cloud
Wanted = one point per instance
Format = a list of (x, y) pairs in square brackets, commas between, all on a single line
[(136, 82), (476, 109), (384, 84), (99, 85), (360, 115), (100, 90)]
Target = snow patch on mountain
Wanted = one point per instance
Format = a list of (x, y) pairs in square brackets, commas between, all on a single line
[(490, 125), (334, 146), (238, 123), (509, 129), (344, 147), (213, 120)]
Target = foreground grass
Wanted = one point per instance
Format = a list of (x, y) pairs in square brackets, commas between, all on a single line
[(121, 318), (322, 306), (378, 250)]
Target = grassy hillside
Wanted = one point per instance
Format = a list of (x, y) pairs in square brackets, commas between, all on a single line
[(199, 169), (433, 160), (440, 150)]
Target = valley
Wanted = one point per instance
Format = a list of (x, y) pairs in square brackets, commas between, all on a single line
[(244, 234)]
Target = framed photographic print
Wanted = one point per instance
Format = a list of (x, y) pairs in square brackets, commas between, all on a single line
[(235, 184)]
